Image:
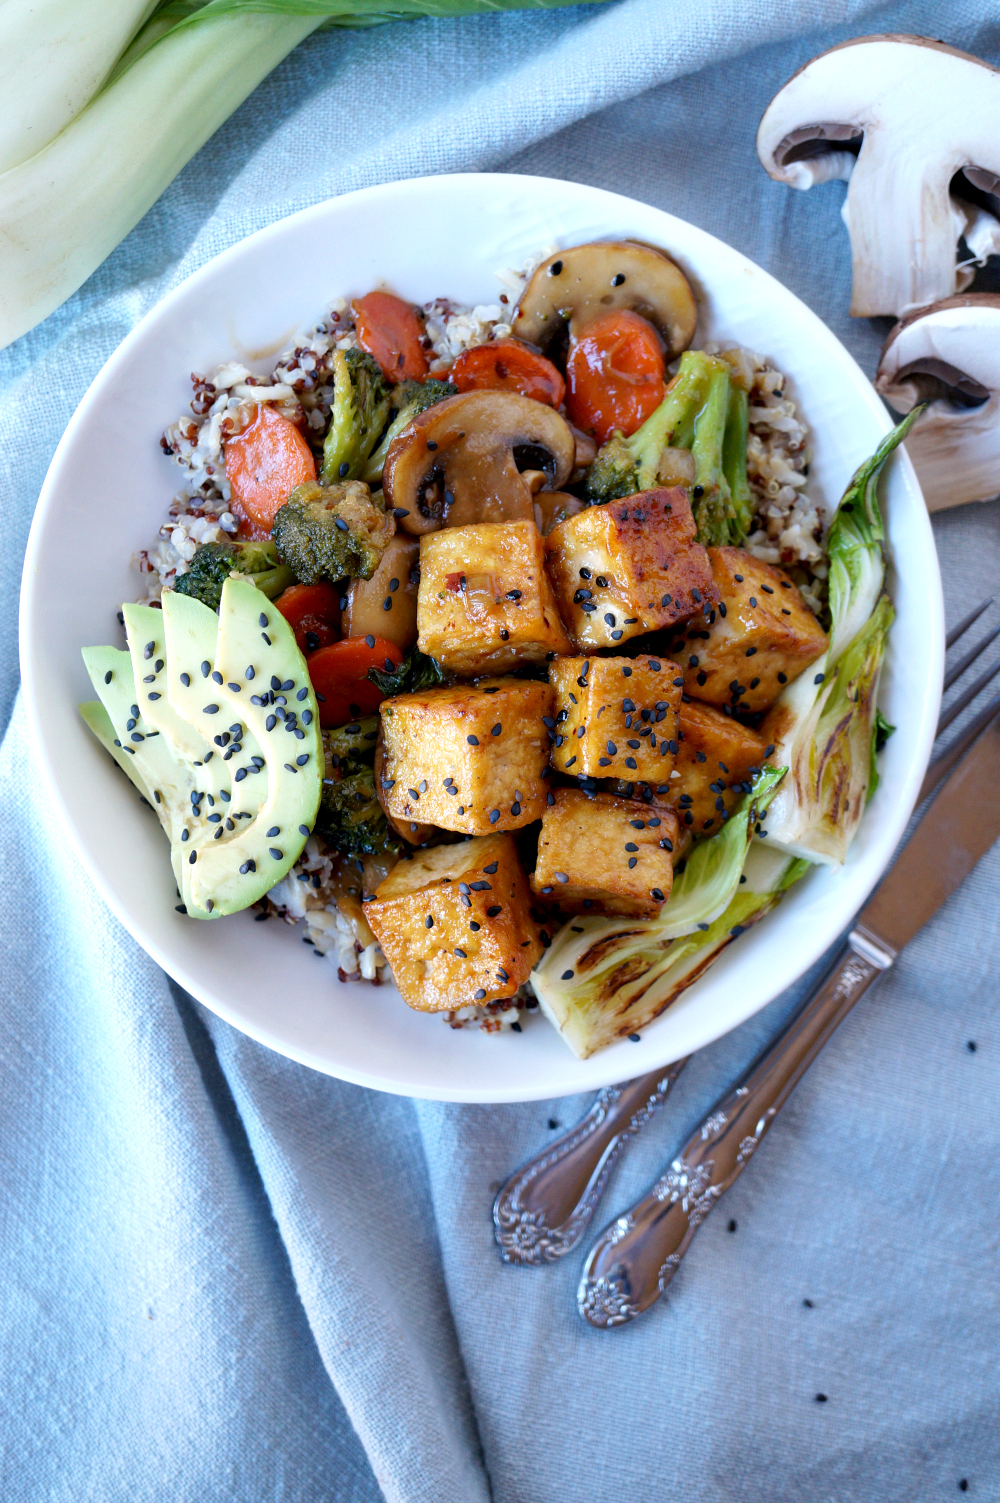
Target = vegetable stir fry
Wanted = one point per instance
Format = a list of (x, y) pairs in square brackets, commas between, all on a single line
[(546, 642)]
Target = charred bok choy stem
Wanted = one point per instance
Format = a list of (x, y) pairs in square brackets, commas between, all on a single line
[(825, 725), (603, 978), (704, 413)]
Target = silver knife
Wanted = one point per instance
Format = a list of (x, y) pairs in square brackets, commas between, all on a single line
[(635, 1258)]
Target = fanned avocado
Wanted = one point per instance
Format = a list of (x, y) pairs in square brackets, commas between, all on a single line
[(215, 721)]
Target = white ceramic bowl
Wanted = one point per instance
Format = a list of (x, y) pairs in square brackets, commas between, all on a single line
[(110, 484)]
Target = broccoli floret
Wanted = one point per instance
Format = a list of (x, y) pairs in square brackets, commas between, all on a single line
[(350, 746), (362, 403), (351, 817), (705, 412), (215, 562), (409, 400), (332, 532), (415, 672)]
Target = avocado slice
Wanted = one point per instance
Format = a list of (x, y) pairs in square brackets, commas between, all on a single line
[(215, 721)]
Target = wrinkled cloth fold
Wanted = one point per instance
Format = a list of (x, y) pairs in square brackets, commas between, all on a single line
[(229, 1277)]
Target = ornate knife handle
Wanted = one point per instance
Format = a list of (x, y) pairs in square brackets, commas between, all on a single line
[(544, 1209), (635, 1258)]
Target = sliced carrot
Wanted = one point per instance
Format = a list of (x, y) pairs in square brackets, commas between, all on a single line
[(392, 332), (508, 365), (313, 613), (339, 675), (265, 461), (614, 374)]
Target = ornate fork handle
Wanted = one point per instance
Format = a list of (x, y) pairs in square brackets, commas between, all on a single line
[(635, 1258), (544, 1209)]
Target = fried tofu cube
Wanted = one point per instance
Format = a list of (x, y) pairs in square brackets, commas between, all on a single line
[(759, 637), (469, 757), (616, 717), (716, 763), (485, 601), (455, 924), (629, 567), (603, 854)]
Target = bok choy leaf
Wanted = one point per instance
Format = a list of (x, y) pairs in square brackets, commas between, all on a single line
[(823, 726), (626, 971)]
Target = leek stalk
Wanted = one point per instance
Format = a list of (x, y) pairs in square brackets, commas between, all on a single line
[(106, 100)]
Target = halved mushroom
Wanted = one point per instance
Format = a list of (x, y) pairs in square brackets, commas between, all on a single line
[(911, 125), (466, 460), (575, 285), (949, 355)]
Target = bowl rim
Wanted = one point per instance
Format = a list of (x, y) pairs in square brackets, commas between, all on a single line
[(31, 669)]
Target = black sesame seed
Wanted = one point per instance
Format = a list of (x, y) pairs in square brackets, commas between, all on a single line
[(492, 912), (633, 1038), (696, 596), (821, 1398), (472, 740), (819, 678), (555, 269), (494, 816), (561, 877)]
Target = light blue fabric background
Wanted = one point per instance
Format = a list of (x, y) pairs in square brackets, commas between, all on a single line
[(226, 1277)]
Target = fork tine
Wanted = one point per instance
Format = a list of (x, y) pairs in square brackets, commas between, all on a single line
[(966, 621), (966, 698), (942, 765), (970, 657)]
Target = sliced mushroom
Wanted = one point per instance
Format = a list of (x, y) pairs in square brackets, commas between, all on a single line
[(553, 507), (911, 125), (386, 604), (949, 355), (575, 285), (465, 460)]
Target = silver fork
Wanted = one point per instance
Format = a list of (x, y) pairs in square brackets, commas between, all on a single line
[(544, 1209)]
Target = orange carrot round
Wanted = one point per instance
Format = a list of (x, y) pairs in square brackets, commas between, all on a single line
[(265, 461), (614, 374), (392, 332), (508, 365), (313, 613), (339, 675)]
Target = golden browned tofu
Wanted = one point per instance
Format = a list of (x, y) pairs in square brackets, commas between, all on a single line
[(616, 717), (603, 854), (469, 757), (485, 601), (715, 765), (759, 636), (455, 924), (628, 567)]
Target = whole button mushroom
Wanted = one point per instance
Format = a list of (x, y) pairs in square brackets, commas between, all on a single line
[(949, 355), (467, 460), (573, 286), (913, 126)]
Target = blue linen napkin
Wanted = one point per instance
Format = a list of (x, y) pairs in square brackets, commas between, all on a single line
[(228, 1277)]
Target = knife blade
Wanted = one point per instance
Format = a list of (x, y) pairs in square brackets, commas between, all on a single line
[(960, 825)]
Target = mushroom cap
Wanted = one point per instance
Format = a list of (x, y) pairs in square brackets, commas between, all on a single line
[(909, 122), (949, 355), (460, 461), (576, 285)]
